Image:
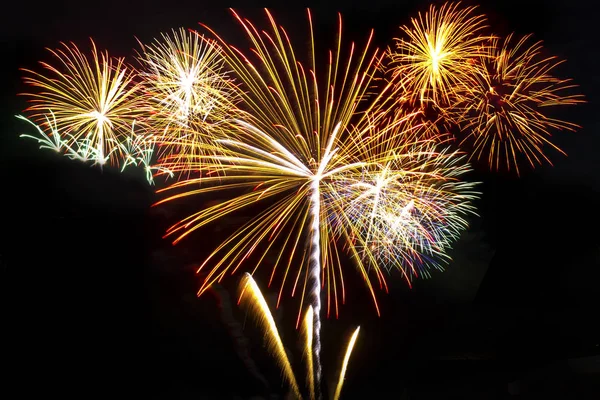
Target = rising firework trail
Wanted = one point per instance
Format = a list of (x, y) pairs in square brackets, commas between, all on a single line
[(251, 296)]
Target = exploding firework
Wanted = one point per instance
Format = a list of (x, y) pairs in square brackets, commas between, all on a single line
[(252, 297), (296, 138), (433, 63), (505, 111), (189, 94), (405, 212), (93, 101), (136, 150)]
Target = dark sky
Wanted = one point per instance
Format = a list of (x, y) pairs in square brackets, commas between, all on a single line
[(96, 303)]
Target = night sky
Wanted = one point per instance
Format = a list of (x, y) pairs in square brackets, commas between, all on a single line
[(96, 304)]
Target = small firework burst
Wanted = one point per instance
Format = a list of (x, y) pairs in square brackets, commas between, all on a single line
[(93, 101), (433, 63), (505, 111), (189, 92)]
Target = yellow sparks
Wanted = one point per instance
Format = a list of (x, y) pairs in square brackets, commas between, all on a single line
[(94, 100), (251, 294), (433, 62), (349, 348), (505, 110)]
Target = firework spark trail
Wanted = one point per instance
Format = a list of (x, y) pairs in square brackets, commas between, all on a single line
[(236, 332), (251, 293), (315, 258), (315, 271), (349, 348)]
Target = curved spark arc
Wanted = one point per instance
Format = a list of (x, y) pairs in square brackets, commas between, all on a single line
[(251, 293), (349, 348)]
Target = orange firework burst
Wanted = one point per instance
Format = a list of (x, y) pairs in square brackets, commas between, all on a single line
[(504, 112), (434, 62), (93, 100)]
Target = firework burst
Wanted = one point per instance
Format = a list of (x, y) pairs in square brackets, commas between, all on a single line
[(433, 63), (405, 212), (505, 111), (293, 139), (189, 94), (93, 101), (286, 152)]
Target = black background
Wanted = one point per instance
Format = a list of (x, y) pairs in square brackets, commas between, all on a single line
[(97, 304)]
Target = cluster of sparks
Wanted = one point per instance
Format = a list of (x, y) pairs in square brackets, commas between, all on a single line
[(188, 92), (495, 91), (346, 162)]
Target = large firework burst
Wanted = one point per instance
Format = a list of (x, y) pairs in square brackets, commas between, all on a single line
[(433, 62), (287, 151), (504, 112), (93, 100)]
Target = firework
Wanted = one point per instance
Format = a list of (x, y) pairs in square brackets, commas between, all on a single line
[(93, 101), (288, 151), (51, 140), (138, 150), (255, 301), (406, 211), (349, 348), (251, 294), (189, 94), (433, 63), (294, 138), (505, 110)]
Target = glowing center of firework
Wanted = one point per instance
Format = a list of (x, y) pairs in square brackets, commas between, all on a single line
[(436, 55), (100, 118), (187, 82)]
